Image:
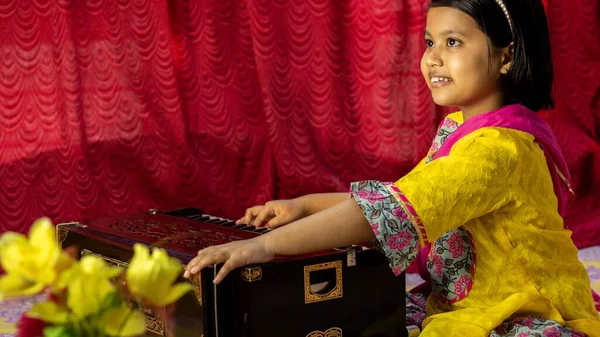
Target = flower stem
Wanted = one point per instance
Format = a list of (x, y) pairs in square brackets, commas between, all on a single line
[(127, 318), (88, 328), (78, 330)]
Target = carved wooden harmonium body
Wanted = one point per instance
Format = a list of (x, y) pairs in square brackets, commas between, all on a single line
[(334, 293)]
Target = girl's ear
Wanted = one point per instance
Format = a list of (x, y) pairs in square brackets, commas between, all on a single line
[(507, 58)]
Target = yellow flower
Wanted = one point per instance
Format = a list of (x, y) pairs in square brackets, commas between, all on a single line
[(123, 321), (120, 321), (151, 277), (12, 285), (49, 312), (31, 264), (88, 285), (88, 265)]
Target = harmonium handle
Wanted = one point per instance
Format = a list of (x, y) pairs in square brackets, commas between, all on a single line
[(323, 282)]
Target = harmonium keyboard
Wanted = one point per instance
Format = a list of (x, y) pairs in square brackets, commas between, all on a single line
[(339, 292)]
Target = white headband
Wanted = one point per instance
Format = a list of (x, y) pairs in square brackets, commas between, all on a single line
[(503, 7)]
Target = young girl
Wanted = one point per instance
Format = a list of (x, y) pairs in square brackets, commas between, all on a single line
[(484, 207)]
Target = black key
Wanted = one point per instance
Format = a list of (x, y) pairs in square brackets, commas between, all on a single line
[(240, 226), (229, 224), (262, 230), (248, 228), (201, 218)]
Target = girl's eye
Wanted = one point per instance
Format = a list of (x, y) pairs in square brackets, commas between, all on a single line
[(428, 43), (453, 42)]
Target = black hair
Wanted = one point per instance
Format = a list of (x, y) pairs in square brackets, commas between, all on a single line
[(529, 79)]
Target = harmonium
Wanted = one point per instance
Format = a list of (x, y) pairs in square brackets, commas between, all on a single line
[(340, 292)]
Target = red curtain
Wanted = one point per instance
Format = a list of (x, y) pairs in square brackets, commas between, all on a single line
[(111, 107)]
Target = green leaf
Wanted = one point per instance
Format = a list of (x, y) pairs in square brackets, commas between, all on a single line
[(112, 300), (59, 331)]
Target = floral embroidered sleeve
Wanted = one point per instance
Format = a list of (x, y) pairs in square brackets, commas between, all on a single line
[(475, 179), (396, 235)]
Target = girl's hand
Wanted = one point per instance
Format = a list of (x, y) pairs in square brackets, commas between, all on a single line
[(234, 254), (275, 213)]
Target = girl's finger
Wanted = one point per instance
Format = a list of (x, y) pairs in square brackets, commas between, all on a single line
[(225, 269), (265, 214), (250, 214), (191, 266), (205, 259)]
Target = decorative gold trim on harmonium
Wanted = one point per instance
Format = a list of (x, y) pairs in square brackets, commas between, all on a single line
[(62, 231), (337, 292), (251, 274), (332, 332)]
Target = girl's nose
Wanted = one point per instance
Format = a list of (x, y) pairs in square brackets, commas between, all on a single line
[(432, 58)]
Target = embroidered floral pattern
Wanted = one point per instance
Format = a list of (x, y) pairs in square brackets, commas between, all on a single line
[(533, 327), (396, 235), (596, 298), (415, 309), (451, 264), (446, 128), (408, 210), (455, 244)]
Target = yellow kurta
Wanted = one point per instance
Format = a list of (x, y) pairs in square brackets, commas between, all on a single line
[(507, 251)]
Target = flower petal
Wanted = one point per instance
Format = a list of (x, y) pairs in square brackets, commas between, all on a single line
[(13, 246), (140, 252), (63, 262), (49, 312), (12, 285), (150, 277), (87, 293), (42, 238), (68, 276), (43, 235), (176, 292), (123, 322), (170, 267), (94, 265)]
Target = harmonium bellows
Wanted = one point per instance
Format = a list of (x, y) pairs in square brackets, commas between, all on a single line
[(333, 293)]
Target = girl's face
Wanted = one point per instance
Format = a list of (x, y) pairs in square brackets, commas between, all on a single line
[(457, 64)]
